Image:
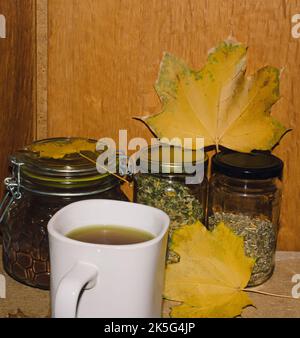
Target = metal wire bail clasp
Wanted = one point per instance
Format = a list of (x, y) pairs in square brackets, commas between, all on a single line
[(13, 187)]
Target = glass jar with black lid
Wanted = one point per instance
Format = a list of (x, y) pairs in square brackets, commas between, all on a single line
[(174, 180), (40, 185), (245, 193)]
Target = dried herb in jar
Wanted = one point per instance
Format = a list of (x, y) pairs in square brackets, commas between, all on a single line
[(183, 203), (259, 239)]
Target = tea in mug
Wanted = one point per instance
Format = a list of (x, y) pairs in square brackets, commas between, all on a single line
[(110, 235)]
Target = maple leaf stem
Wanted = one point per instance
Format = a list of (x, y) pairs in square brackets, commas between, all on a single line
[(91, 160), (269, 294)]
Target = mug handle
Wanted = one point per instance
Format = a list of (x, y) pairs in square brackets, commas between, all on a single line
[(82, 275)]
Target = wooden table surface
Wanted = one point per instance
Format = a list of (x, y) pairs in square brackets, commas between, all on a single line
[(36, 303)]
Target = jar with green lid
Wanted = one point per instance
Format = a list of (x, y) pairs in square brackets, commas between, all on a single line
[(166, 180), (245, 193), (46, 176)]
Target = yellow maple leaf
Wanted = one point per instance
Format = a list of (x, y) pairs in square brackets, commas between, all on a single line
[(213, 271), (58, 149), (218, 102)]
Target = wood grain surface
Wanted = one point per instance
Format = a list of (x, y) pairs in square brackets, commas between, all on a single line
[(23, 301), (104, 58), (17, 79), (41, 68)]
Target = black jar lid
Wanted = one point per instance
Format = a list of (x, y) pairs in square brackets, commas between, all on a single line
[(255, 165)]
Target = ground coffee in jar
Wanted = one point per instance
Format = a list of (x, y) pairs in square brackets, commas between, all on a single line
[(46, 176)]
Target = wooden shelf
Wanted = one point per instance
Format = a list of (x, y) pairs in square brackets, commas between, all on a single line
[(36, 303)]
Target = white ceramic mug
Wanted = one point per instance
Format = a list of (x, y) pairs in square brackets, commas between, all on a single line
[(106, 281)]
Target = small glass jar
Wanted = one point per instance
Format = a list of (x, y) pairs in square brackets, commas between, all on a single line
[(162, 181), (38, 188), (245, 193)]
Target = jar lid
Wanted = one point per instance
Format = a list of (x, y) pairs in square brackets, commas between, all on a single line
[(57, 162), (171, 159), (255, 165)]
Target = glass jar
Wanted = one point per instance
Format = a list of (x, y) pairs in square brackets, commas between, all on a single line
[(245, 193), (39, 187), (162, 181)]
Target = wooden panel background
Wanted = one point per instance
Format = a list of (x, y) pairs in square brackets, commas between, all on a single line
[(17, 79), (103, 59)]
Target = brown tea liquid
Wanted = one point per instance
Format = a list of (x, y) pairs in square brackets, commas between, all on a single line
[(110, 234)]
